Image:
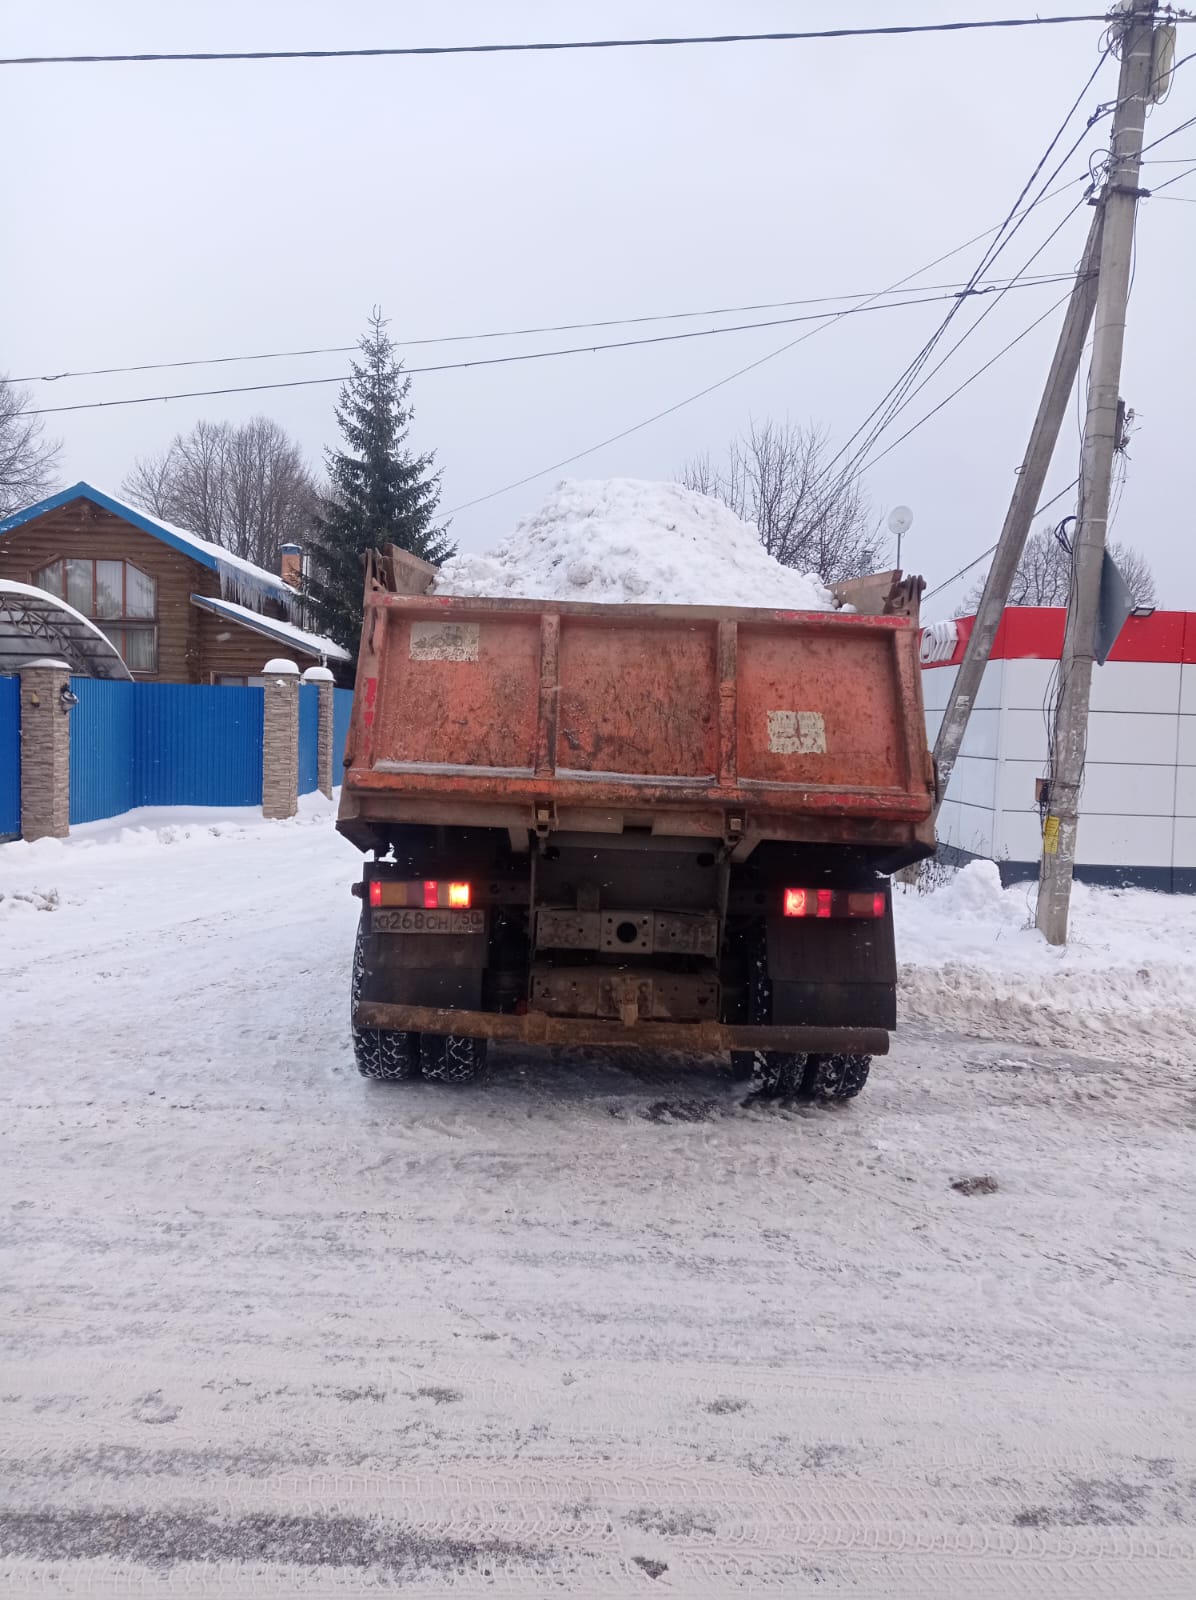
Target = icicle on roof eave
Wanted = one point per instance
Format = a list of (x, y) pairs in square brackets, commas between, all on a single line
[(247, 589)]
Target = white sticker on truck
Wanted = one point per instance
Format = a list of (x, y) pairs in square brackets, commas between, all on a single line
[(444, 641), (796, 733)]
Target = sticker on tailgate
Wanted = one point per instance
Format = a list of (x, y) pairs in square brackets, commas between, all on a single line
[(407, 919), (796, 733), (445, 641)]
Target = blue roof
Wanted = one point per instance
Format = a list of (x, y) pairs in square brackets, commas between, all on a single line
[(188, 544)]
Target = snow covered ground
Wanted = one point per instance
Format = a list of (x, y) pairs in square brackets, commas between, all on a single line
[(620, 539), (597, 1327)]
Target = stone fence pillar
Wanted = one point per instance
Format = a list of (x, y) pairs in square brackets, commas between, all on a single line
[(46, 750), (280, 739), (323, 678)]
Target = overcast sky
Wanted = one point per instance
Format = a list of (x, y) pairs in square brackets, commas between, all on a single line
[(172, 211)]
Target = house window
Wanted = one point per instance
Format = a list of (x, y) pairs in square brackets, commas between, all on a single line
[(118, 597)]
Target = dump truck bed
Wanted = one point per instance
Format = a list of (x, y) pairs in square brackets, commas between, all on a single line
[(537, 715)]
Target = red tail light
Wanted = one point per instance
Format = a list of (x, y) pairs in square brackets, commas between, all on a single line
[(866, 905), (795, 902), (376, 892), (833, 903), (431, 894)]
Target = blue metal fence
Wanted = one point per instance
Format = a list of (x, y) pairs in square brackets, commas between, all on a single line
[(103, 749), (199, 745), (342, 707), (163, 744), (309, 737), (10, 757)]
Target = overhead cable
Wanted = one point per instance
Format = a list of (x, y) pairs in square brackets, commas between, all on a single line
[(499, 361), (502, 333), (541, 46)]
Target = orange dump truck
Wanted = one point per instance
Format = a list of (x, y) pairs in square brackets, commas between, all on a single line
[(649, 825)]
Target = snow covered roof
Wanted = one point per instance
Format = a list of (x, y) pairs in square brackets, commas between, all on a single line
[(34, 624), (240, 580), (312, 644)]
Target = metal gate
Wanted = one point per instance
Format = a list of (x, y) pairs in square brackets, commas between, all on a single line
[(163, 744), (104, 776), (10, 757), (309, 737)]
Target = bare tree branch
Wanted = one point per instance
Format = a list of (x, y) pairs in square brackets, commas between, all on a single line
[(806, 519), (27, 458), (1043, 576), (245, 487)]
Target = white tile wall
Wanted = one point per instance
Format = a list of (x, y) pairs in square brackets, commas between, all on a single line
[(1139, 737), (1018, 836), (991, 686), (1136, 686), (966, 827), (1119, 789), (934, 717), (1187, 688), (974, 782), (1184, 852), (948, 822), (1139, 800), (1185, 791), (1015, 785), (1028, 684), (975, 829), (1025, 737), (937, 683), (984, 728), (1125, 841), (936, 686)]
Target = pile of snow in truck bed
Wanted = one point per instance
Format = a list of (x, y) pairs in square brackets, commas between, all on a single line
[(620, 539)]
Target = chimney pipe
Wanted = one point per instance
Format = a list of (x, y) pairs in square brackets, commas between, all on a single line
[(291, 569)]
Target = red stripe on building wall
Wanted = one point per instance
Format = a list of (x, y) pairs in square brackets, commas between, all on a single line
[(1029, 633)]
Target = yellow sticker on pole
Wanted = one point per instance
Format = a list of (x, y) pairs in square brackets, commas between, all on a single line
[(1050, 836)]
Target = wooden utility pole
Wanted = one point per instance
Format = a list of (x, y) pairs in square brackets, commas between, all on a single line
[(1119, 202), (1024, 502)]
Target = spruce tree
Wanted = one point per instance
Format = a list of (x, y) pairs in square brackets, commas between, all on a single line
[(379, 493)]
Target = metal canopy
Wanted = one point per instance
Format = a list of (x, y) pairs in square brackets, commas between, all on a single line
[(35, 624)]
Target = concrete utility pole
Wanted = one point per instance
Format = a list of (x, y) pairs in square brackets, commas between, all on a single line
[(1120, 203), (1024, 502)]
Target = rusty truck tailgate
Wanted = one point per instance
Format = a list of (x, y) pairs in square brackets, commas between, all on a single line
[(524, 713)]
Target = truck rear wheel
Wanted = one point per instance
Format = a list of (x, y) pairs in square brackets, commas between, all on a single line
[(774, 1074), (839, 1077), (451, 1058), (385, 1057)]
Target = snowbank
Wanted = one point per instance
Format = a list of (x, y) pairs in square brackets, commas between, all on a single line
[(971, 958), (620, 539)]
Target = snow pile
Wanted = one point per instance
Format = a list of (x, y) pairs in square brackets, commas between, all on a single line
[(620, 539), (1126, 980)]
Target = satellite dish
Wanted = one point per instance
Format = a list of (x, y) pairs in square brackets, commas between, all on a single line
[(900, 520)]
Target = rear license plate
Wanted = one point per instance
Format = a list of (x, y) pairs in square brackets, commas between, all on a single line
[(408, 920)]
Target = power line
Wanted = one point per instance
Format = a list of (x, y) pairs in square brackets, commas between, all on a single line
[(1163, 137), (499, 361), (541, 46), (719, 383), (503, 333), (1170, 181), (979, 372), (963, 571), (902, 392)]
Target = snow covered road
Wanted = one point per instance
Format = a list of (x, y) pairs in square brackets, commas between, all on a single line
[(598, 1327)]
